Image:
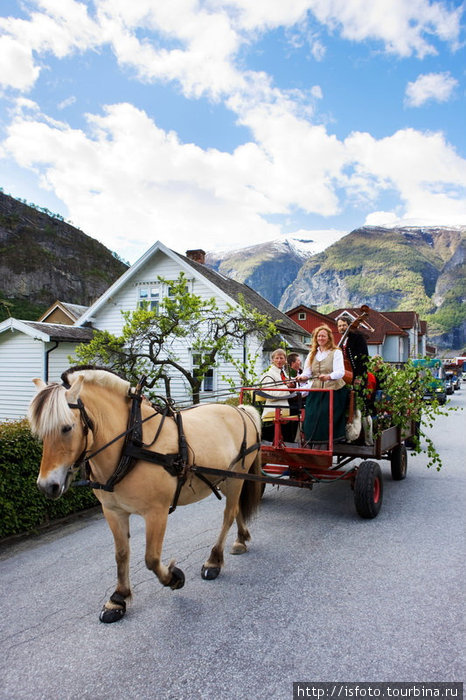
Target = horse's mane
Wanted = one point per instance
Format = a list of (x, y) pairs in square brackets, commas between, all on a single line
[(98, 375), (49, 409)]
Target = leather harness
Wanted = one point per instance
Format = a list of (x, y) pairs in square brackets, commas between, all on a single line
[(176, 464)]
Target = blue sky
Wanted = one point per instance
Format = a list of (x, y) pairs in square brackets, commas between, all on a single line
[(226, 123)]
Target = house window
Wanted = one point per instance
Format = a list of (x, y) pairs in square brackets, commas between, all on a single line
[(149, 298), (170, 290), (302, 316), (208, 381)]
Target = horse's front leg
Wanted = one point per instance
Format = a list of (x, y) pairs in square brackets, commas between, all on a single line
[(115, 607), (171, 575)]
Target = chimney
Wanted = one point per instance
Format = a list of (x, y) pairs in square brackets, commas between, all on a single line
[(197, 255)]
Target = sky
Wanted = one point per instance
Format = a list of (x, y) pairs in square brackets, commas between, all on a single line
[(220, 124)]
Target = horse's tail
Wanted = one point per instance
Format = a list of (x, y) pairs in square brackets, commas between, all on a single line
[(251, 493)]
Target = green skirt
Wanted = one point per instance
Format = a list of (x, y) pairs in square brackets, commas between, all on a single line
[(316, 417)]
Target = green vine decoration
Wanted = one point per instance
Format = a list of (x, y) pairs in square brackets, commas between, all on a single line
[(402, 400)]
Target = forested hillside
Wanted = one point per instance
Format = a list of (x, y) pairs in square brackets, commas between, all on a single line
[(43, 258)]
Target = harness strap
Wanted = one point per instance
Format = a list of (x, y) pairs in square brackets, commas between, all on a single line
[(182, 463), (176, 464)]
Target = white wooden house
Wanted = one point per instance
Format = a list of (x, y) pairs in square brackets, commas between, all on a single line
[(28, 349)]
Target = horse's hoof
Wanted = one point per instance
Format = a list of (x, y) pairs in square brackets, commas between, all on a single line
[(209, 573), (238, 548), (177, 579), (109, 615)]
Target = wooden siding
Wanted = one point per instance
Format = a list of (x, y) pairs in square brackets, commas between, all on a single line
[(58, 360), (21, 359)]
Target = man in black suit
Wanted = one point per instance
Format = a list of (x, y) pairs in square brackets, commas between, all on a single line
[(355, 350)]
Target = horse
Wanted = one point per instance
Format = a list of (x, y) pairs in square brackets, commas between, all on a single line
[(86, 418)]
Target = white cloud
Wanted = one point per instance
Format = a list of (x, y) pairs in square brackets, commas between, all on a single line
[(68, 102), (18, 69), (430, 86), (405, 28), (124, 178), (423, 169), (128, 182), (381, 218), (201, 50)]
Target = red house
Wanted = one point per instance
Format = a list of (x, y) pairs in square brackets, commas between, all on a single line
[(309, 319)]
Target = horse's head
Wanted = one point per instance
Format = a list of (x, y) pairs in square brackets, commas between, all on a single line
[(56, 418)]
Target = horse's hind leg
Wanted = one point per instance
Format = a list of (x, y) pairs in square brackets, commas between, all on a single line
[(248, 502), (214, 563), (115, 607), (243, 536)]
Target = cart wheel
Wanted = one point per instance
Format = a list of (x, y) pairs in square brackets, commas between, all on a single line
[(368, 489), (399, 462), (262, 489)]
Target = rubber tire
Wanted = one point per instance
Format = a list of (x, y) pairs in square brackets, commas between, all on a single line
[(368, 489), (399, 462)]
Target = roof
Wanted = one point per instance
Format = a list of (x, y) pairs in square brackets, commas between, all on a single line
[(236, 289), (325, 318), (375, 326), (303, 307), (48, 331), (229, 288), (74, 311), (404, 319)]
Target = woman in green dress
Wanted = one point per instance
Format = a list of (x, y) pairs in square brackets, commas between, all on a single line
[(325, 366)]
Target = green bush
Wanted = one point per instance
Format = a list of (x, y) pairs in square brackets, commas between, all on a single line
[(22, 507)]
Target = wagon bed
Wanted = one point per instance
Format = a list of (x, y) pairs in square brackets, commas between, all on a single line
[(301, 465)]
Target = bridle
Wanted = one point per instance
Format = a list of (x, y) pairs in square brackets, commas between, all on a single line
[(88, 426)]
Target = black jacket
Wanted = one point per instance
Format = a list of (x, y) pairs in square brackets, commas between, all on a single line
[(355, 349)]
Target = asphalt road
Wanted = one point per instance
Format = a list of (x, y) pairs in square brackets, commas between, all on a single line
[(322, 595)]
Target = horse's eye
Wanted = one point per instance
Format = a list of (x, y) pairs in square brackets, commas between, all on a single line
[(66, 428)]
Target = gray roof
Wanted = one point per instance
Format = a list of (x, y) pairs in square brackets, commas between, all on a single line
[(236, 289), (62, 332), (76, 310)]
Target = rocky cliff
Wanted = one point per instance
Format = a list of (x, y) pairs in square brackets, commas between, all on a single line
[(269, 268), (43, 258), (420, 268)]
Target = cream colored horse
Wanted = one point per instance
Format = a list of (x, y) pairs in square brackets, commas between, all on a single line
[(214, 434)]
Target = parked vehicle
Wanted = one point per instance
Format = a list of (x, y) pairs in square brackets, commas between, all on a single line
[(437, 388), (449, 383)]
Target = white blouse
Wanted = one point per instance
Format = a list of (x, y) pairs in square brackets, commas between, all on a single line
[(338, 364)]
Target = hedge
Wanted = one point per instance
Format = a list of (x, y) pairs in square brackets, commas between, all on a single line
[(22, 507)]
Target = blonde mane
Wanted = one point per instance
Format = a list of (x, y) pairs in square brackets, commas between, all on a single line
[(49, 410)]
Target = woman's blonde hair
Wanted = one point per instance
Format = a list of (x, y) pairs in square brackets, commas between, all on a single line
[(331, 345)]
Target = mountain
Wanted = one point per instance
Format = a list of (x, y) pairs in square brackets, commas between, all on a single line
[(43, 258), (269, 268), (405, 268)]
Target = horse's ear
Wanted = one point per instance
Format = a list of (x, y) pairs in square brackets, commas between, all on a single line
[(73, 393), (40, 384)]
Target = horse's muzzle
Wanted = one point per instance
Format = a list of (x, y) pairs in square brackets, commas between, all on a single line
[(56, 483)]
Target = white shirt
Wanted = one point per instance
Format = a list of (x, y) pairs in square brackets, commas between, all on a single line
[(338, 364)]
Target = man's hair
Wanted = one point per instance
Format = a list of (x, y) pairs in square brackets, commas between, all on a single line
[(292, 357)]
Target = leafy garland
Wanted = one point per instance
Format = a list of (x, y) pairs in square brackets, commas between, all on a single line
[(402, 401)]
